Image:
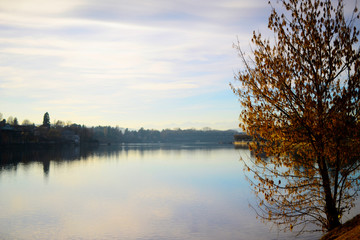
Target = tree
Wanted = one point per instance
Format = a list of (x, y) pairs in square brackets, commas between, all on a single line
[(10, 120), (26, 122), (46, 120), (300, 97), (15, 122), (59, 123)]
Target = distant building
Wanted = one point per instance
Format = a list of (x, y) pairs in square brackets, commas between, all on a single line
[(70, 136), (16, 135)]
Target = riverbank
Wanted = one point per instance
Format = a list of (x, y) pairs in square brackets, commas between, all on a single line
[(347, 231)]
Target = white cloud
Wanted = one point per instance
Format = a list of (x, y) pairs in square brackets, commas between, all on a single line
[(163, 86), (38, 6), (116, 56)]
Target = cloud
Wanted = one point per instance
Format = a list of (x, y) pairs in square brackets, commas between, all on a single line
[(36, 7), (164, 86), (117, 54)]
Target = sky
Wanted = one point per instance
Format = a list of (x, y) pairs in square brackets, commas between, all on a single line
[(142, 63)]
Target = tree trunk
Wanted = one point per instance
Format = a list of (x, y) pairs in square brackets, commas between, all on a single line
[(330, 203)]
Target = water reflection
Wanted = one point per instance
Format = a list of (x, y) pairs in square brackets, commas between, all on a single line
[(137, 191), (10, 158)]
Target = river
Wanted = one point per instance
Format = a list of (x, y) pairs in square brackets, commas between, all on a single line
[(135, 191)]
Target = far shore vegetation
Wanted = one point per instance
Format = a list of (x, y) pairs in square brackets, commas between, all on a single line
[(60, 132)]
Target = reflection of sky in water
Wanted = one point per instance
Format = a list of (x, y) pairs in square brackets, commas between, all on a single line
[(133, 194)]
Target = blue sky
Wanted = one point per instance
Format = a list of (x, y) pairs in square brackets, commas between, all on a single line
[(152, 64)]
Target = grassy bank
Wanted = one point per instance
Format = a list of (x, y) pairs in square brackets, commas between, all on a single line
[(347, 231)]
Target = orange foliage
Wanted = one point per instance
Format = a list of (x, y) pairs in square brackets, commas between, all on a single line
[(300, 100)]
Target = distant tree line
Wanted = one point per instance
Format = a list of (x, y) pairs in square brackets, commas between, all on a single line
[(11, 132), (117, 135)]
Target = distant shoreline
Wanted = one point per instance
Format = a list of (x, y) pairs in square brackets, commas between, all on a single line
[(79, 134)]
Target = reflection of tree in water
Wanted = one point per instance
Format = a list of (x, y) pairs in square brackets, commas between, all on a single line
[(46, 167), (10, 158), (141, 148)]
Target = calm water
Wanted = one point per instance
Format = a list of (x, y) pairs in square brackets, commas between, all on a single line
[(129, 192)]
